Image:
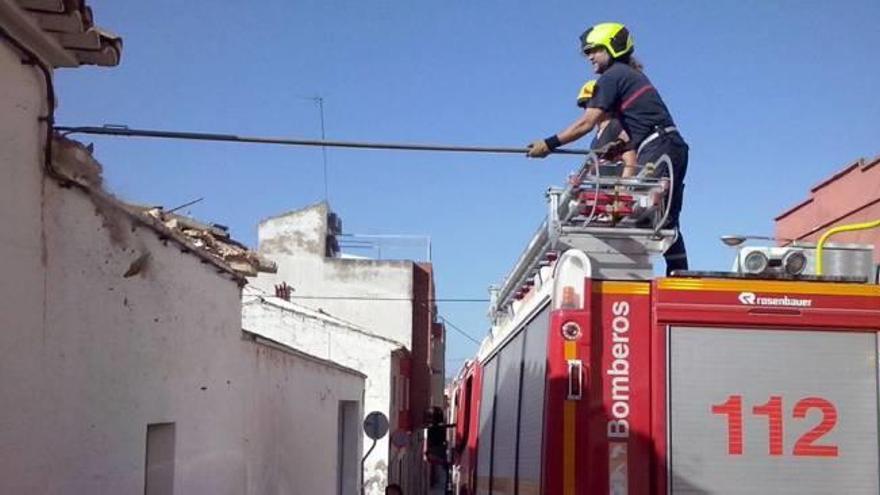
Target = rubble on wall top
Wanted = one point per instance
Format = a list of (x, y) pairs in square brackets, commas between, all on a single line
[(73, 163), (215, 240)]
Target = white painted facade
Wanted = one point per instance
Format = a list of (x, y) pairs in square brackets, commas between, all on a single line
[(333, 339), (89, 357), (296, 242), (293, 422), (377, 297)]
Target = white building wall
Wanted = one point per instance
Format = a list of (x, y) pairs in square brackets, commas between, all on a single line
[(89, 358), (22, 290), (329, 338), (295, 241), (299, 395), (373, 294)]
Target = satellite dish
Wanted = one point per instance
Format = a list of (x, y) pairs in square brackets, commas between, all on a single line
[(376, 425)]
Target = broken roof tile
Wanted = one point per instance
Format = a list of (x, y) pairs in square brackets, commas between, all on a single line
[(74, 162), (71, 24)]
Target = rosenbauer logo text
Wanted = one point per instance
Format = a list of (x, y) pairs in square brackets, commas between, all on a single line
[(752, 299)]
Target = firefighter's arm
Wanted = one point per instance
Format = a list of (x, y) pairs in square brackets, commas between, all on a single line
[(578, 129), (630, 162)]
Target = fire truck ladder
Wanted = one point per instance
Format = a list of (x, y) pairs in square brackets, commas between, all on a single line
[(617, 221)]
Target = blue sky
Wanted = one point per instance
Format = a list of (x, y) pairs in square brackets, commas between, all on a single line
[(771, 96)]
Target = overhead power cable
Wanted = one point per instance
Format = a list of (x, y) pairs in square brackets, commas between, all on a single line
[(462, 332), (379, 298), (376, 298), (125, 131)]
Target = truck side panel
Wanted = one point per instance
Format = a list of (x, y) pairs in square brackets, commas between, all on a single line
[(765, 386)]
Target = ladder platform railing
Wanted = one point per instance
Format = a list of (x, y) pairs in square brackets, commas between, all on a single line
[(617, 221)]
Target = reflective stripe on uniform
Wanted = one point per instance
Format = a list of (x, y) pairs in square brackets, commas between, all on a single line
[(633, 97)]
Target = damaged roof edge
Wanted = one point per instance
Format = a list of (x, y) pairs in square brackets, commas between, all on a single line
[(164, 233), (76, 166), (62, 33), (25, 30)]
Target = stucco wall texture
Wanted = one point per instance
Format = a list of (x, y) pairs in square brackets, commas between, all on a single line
[(89, 357), (329, 338), (392, 299), (296, 242)]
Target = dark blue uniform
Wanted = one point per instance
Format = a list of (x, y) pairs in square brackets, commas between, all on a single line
[(610, 158), (628, 93), (610, 133)]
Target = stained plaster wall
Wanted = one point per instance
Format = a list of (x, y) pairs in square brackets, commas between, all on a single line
[(332, 339), (377, 295), (383, 288), (22, 257), (292, 424), (89, 358)]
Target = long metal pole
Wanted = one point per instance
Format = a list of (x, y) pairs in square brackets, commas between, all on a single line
[(363, 461), (124, 131)]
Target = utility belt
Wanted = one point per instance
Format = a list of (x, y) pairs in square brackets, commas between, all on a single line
[(659, 132)]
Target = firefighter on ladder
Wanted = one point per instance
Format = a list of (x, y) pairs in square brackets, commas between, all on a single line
[(610, 136), (623, 89)]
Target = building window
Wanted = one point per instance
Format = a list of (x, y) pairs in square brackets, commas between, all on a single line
[(159, 477)]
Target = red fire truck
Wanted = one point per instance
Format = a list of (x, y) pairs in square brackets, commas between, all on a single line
[(597, 377)]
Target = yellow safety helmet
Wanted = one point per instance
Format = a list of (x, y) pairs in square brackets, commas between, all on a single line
[(611, 35), (586, 93)]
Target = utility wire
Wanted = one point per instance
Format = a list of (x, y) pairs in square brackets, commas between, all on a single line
[(125, 131), (409, 299), (462, 332), (374, 298), (367, 298)]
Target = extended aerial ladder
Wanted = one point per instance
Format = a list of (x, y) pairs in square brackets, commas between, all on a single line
[(617, 221)]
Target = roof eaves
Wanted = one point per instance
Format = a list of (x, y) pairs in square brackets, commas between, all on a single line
[(836, 176), (870, 163), (70, 24), (862, 164), (793, 209), (23, 28), (288, 306), (259, 339)]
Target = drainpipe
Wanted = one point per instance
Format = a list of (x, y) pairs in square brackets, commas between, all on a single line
[(49, 119), (836, 230)]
